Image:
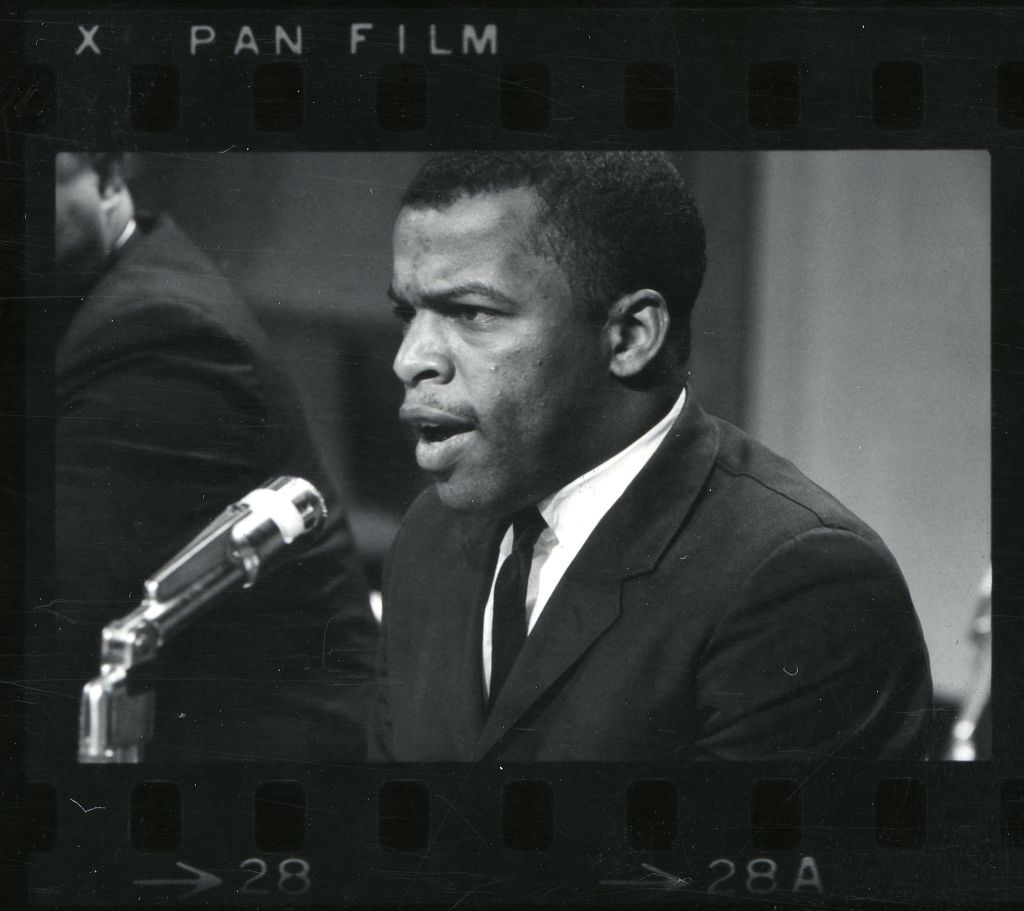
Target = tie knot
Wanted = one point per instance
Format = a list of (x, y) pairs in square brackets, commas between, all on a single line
[(527, 525)]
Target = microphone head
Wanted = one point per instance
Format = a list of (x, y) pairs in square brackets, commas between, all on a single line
[(294, 505), (276, 514), (242, 539)]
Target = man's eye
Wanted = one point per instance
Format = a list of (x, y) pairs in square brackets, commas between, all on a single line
[(473, 314)]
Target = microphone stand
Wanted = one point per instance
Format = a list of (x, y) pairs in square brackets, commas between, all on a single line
[(963, 743), (114, 722)]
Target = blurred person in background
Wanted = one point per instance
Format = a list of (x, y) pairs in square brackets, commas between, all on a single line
[(170, 404)]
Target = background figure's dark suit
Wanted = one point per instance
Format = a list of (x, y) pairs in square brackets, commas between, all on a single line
[(169, 407), (725, 607)]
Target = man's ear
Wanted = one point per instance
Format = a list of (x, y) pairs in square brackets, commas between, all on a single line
[(112, 188), (637, 330)]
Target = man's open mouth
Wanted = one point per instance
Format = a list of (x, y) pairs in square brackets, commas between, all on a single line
[(438, 433), (432, 425)]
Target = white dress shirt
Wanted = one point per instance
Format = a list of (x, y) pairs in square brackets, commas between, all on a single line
[(572, 514)]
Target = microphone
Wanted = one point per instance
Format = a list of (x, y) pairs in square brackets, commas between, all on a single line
[(230, 552)]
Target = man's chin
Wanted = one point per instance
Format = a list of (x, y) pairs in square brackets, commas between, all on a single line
[(463, 498), (485, 501), (455, 498)]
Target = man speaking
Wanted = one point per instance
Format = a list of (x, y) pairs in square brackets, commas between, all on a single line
[(603, 571)]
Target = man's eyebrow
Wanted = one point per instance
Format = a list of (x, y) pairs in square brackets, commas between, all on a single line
[(449, 295)]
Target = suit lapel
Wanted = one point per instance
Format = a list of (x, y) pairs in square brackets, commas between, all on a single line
[(447, 716), (628, 542), (582, 607)]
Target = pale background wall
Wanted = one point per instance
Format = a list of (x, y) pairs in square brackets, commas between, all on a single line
[(870, 357)]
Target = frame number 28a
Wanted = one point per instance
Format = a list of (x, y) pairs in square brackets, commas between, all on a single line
[(761, 875)]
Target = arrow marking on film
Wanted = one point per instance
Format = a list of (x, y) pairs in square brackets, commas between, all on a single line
[(200, 883), (664, 880)]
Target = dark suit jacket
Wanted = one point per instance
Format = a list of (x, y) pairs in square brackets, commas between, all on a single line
[(171, 405), (725, 607)]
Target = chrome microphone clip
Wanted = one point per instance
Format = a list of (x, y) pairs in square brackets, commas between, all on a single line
[(231, 551)]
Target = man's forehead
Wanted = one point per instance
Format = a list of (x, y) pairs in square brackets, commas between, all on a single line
[(491, 240), (513, 213)]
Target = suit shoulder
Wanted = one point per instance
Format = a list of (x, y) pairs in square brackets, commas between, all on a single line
[(774, 492), (165, 262), (163, 295), (772, 478), (163, 281)]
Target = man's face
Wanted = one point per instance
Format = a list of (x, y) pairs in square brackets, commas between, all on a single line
[(78, 229), (507, 381)]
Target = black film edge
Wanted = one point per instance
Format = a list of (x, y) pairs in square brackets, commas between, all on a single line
[(191, 90)]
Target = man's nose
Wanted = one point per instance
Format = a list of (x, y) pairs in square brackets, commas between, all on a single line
[(423, 355)]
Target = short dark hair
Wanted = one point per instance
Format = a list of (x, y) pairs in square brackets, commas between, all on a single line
[(105, 164), (622, 220)]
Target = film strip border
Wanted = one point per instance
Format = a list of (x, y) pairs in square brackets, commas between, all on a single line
[(743, 79), (525, 814), (534, 835), (401, 92), (359, 78)]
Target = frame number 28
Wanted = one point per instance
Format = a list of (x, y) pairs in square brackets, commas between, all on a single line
[(291, 876)]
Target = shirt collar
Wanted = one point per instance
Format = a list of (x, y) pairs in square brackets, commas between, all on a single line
[(125, 236), (573, 512)]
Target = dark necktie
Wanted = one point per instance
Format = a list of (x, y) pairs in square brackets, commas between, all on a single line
[(508, 629)]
